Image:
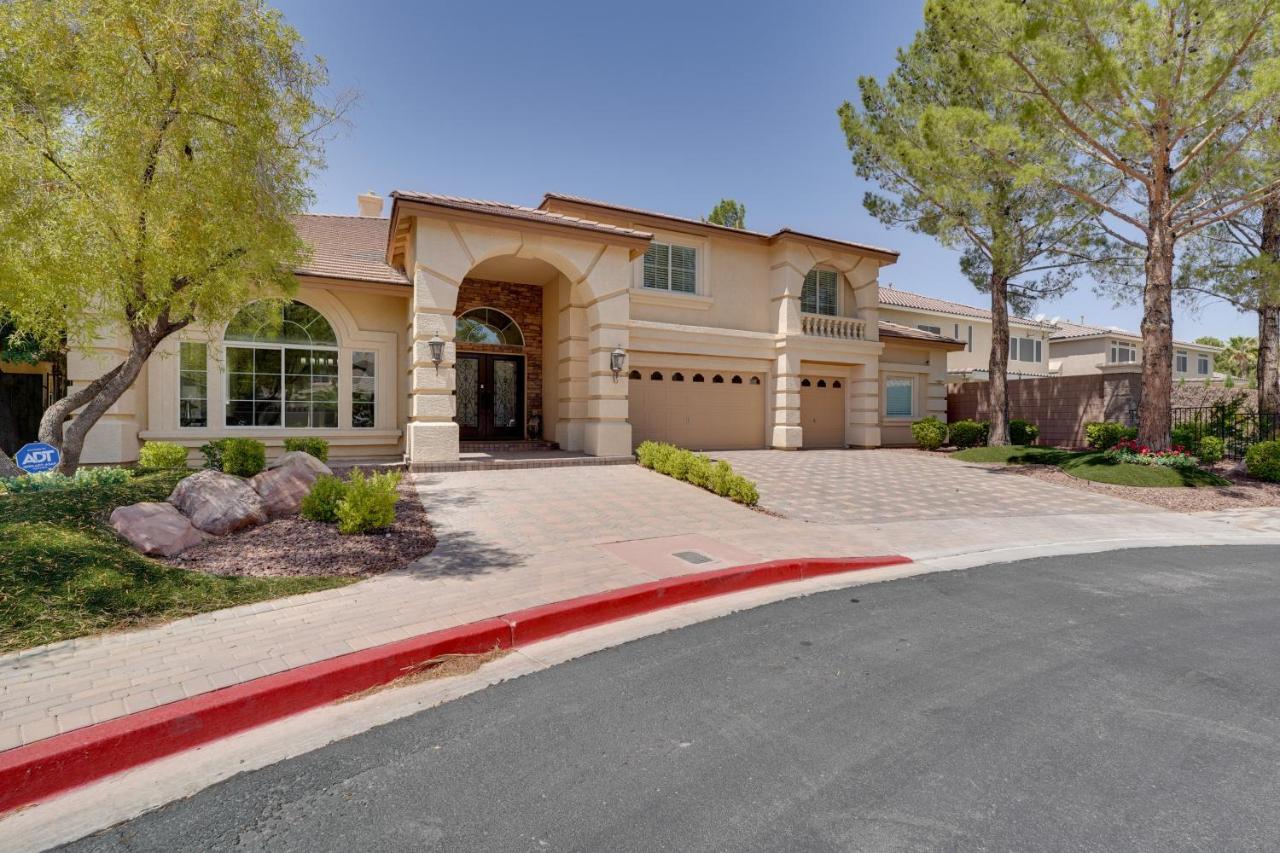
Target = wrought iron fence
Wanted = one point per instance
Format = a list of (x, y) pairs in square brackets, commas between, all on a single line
[(1236, 426)]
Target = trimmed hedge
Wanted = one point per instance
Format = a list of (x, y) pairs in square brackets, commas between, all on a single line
[(1104, 435), (162, 456), (969, 433), (1211, 449), (1023, 433), (698, 470), (317, 447), (49, 480), (929, 433), (243, 457), (1262, 461)]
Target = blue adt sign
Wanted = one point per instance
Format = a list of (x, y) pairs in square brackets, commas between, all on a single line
[(37, 457)]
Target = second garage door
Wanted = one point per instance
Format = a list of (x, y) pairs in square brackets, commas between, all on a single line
[(698, 410), (822, 411)]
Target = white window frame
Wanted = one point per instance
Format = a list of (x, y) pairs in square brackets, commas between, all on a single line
[(668, 245), (254, 345), (817, 272), (925, 327), (1204, 365), (1181, 361), (911, 383), (1117, 347), (182, 370), (373, 378), (1015, 349)]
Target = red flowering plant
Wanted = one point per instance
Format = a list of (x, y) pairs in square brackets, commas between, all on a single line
[(1129, 450)]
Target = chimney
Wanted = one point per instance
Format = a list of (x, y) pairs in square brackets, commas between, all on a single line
[(370, 204)]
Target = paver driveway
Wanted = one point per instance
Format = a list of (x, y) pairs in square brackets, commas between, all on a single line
[(858, 486)]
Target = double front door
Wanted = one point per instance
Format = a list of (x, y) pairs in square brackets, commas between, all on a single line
[(490, 393)]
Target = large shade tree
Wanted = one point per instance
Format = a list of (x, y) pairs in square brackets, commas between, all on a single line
[(1158, 98), (948, 146), (151, 156)]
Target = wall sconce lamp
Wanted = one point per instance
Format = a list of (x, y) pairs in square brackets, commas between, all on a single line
[(617, 361), (437, 350)]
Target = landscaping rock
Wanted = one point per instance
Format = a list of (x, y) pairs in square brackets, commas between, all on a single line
[(155, 528), (218, 503), (286, 483)]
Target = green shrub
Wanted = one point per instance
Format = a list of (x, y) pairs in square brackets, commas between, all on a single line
[(162, 456), (317, 447), (243, 457), (1211, 449), (1188, 435), (213, 453), (1023, 433), (369, 504), (321, 503), (698, 470), (83, 478), (969, 433), (1104, 435), (930, 433), (1262, 461)]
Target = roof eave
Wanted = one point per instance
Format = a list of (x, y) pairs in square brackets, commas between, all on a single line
[(400, 204)]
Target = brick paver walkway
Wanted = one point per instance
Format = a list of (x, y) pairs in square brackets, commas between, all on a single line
[(851, 486), (512, 539)]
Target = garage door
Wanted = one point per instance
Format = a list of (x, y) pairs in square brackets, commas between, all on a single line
[(699, 410), (822, 411)]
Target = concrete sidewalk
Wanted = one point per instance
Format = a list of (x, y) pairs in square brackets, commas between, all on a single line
[(509, 540)]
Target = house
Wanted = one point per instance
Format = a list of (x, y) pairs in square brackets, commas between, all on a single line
[(592, 325), (1078, 349), (1028, 338)]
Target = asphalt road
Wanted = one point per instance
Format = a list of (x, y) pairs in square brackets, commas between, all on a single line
[(1126, 701)]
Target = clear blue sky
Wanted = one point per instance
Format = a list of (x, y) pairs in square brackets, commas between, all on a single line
[(662, 105)]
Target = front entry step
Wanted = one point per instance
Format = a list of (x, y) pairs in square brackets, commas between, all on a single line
[(515, 460), (514, 446)]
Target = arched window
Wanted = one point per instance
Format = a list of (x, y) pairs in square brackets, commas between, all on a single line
[(655, 376), (717, 379), (635, 374), (677, 377), (755, 380), (697, 377), (488, 326), (282, 367), (836, 384), (805, 383), (822, 383), (737, 380)]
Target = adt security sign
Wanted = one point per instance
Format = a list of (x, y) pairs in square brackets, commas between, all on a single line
[(37, 456)]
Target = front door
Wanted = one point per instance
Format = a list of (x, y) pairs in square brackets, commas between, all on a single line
[(490, 396)]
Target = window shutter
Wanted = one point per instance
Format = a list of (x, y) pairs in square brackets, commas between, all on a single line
[(656, 266), (809, 293), (684, 269), (826, 292)]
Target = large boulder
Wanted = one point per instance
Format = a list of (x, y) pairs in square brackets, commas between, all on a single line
[(155, 528), (218, 503), (283, 486)]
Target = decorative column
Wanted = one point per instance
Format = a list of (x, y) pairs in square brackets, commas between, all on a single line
[(862, 405), (571, 348), (786, 284), (432, 434), (608, 432)]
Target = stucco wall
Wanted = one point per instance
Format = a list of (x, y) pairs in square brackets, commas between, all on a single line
[(1088, 356), (979, 355), (928, 367)]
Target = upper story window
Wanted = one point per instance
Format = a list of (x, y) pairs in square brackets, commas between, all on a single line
[(282, 367), (671, 267), (1122, 353), (1202, 365), (937, 330), (1181, 363), (819, 293), (1026, 349)]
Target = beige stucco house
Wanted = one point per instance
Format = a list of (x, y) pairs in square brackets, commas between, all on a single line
[(590, 325), (1078, 349)]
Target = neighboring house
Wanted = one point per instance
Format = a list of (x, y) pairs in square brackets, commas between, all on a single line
[(1028, 339), (1078, 349), (459, 320)]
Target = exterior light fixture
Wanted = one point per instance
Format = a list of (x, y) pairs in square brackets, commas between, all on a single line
[(437, 350), (617, 361)]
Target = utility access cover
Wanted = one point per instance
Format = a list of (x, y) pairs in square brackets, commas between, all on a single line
[(694, 557)]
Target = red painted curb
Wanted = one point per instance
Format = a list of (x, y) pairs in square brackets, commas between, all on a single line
[(56, 764)]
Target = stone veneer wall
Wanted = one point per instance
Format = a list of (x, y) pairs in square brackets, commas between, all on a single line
[(1059, 405), (522, 303)]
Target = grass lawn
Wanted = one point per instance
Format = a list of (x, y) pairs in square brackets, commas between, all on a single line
[(64, 573), (1094, 465)]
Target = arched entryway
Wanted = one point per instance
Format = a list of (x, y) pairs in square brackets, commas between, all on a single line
[(492, 367)]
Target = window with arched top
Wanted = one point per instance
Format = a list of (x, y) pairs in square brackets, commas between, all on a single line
[(755, 380), (805, 383), (697, 377), (836, 384), (635, 374), (677, 377), (488, 326), (282, 369), (737, 380), (822, 383), (717, 379), (655, 376)]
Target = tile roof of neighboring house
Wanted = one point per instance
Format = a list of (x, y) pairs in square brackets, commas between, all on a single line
[(895, 298), (1071, 331), (897, 330), (516, 211), (574, 199), (351, 247)]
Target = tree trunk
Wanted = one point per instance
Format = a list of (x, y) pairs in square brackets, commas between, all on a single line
[(1154, 414), (998, 365), (95, 398), (1269, 316)]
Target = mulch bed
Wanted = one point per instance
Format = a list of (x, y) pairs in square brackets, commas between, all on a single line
[(295, 546)]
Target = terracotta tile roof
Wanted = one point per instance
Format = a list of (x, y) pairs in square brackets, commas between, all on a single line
[(516, 211), (781, 232), (350, 247), (894, 298), (896, 330), (1070, 331)]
